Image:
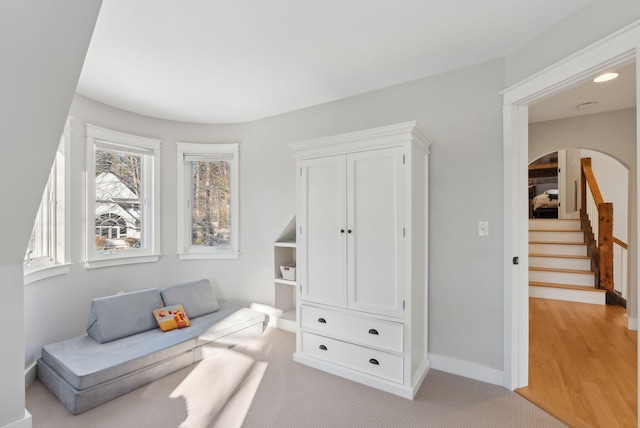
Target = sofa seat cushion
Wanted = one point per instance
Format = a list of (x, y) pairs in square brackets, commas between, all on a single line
[(226, 320), (84, 362)]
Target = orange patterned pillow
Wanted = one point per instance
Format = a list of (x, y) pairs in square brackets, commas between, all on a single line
[(171, 317)]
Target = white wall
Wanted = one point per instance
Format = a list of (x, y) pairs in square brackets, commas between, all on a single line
[(612, 132), (572, 182), (598, 19), (462, 112), (42, 45)]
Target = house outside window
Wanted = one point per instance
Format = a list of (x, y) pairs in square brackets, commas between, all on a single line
[(123, 197), (208, 201), (47, 252)]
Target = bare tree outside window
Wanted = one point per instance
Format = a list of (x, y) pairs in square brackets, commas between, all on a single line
[(208, 201), (118, 191), (211, 199)]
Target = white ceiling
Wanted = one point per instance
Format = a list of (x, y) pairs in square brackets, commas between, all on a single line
[(214, 61), (615, 94)]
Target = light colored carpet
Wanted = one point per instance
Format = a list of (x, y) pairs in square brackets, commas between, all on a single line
[(257, 384)]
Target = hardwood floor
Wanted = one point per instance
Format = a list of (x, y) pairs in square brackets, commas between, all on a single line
[(582, 363)]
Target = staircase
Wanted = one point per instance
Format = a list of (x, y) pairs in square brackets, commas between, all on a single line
[(559, 267)]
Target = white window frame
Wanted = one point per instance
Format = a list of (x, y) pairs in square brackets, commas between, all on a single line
[(55, 219), (102, 138), (186, 153)]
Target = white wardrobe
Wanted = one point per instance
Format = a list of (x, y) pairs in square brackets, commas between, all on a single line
[(362, 220)]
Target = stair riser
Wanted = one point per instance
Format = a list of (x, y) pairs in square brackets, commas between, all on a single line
[(559, 263), (565, 250), (567, 295), (553, 224), (583, 280), (559, 236)]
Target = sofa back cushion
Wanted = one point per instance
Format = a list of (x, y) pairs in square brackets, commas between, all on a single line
[(122, 315), (197, 297)]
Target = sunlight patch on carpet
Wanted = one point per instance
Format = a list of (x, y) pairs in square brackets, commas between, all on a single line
[(219, 390)]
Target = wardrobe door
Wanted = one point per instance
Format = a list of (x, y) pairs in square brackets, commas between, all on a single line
[(375, 221), (323, 234)]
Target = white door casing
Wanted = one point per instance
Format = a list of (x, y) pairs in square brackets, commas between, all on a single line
[(618, 48)]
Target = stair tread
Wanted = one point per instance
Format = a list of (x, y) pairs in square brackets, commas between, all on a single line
[(557, 230), (554, 219), (557, 242), (560, 256), (566, 286), (544, 269)]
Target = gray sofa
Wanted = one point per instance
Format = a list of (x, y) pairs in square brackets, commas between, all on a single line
[(124, 349)]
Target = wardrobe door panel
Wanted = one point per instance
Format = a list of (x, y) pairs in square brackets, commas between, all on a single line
[(323, 239), (375, 219)]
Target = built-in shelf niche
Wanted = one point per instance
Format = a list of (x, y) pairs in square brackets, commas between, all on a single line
[(284, 253)]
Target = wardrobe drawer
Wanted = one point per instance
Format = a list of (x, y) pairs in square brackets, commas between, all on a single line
[(366, 331), (360, 358)]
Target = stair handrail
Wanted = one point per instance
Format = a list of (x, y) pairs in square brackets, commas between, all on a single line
[(621, 243), (597, 221)]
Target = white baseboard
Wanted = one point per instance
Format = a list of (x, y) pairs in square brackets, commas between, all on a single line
[(25, 422), (632, 323), (30, 375), (467, 369)]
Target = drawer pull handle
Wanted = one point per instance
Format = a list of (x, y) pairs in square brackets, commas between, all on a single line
[(373, 331), (323, 348), (374, 362), (322, 321)]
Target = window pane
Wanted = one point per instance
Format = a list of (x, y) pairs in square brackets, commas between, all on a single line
[(117, 205), (39, 247), (36, 244), (211, 200)]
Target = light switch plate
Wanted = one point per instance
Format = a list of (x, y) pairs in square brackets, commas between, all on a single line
[(483, 228)]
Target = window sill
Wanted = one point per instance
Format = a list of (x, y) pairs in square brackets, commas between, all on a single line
[(118, 261), (45, 272), (208, 256)]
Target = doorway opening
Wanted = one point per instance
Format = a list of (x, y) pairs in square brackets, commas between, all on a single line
[(615, 51), (542, 188)]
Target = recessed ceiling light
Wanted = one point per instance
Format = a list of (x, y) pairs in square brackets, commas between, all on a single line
[(587, 105), (605, 77)]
